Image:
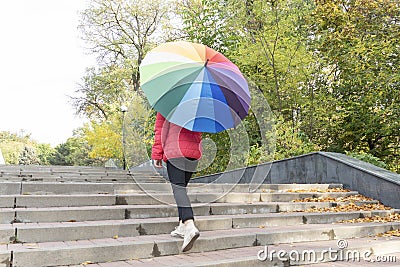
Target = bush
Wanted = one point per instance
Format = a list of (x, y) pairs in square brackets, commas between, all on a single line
[(367, 158)]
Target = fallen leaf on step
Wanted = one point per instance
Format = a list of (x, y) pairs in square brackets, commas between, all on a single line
[(390, 233), (388, 218), (329, 190), (354, 198), (87, 262), (352, 207), (115, 237), (261, 226)]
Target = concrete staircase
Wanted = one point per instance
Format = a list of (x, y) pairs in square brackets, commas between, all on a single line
[(33, 173), (70, 216)]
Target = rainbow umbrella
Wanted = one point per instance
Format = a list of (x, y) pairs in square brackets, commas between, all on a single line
[(194, 86)]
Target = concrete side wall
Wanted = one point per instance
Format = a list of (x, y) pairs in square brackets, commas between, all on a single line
[(319, 167), (363, 177), (301, 169)]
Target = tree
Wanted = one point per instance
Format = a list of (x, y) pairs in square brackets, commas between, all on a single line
[(12, 145), (44, 152), (358, 41), (273, 52), (11, 151), (291, 141), (105, 139), (75, 152), (268, 41), (138, 131), (329, 70), (207, 22), (28, 157), (62, 155), (103, 92), (121, 31)]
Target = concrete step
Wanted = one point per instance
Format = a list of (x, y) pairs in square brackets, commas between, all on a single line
[(66, 169), (64, 231), (248, 256), (219, 188), (147, 246), (84, 180), (73, 178), (233, 197), (78, 175), (71, 174), (27, 201), (9, 188), (119, 212), (10, 201), (32, 188)]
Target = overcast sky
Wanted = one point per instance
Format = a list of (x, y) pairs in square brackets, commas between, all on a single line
[(42, 59)]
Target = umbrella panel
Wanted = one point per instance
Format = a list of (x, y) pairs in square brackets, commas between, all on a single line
[(167, 81)]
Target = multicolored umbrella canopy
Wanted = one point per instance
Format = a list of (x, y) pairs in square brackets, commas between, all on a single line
[(194, 86)]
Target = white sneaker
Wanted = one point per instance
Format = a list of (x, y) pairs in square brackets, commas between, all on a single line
[(191, 235), (179, 230)]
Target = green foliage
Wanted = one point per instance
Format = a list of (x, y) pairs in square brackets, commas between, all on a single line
[(270, 47), (273, 51), (103, 92), (358, 42), (44, 152), (74, 152), (62, 156), (138, 131), (290, 141), (206, 22), (13, 144), (11, 151), (367, 158), (120, 32), (221, 143), (257, 155)]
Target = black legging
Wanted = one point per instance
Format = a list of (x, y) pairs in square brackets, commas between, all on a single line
[(180, 171)]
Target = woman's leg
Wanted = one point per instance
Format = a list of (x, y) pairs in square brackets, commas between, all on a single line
[(190, 168), (179, 171), (179, 178)]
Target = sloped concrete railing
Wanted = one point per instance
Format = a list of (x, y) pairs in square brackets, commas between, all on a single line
[(320, 167)]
